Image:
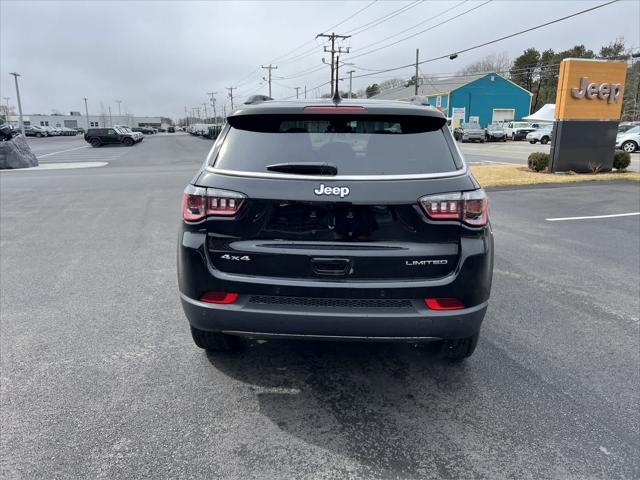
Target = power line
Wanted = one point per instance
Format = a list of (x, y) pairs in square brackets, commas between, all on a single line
[(359, 29), (420, 32), (384, 18), (326, 29), (414, 26), (283, 59), (534, 28), (457, 52), (394, 13)]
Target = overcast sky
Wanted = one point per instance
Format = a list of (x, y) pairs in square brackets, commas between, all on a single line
[(158, 57)]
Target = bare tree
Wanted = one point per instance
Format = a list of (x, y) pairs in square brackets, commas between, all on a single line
[(496, 62), (392, 83)]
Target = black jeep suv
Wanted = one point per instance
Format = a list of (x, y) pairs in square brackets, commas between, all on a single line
[(335, 220), (106, 136)]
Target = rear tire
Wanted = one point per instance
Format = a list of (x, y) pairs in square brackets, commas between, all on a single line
[(95, 142), (215, 341), (533, 142), (128, 142), (458, 349)]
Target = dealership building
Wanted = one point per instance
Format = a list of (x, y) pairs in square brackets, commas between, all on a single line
[(482, 98), (76, 120)]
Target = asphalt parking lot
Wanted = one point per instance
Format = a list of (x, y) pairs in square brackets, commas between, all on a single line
[(513, 152), (100, 378)]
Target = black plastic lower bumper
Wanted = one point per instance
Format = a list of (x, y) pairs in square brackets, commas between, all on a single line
[(413, 323)]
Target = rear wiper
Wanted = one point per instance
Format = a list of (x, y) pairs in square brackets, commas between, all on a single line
[(304, 168)]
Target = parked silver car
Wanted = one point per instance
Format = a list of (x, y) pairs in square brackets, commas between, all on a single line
[(542, 135), (469, 132), (629, 141), (495, 133)]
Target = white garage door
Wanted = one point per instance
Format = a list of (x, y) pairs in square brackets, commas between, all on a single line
[(503, 115)]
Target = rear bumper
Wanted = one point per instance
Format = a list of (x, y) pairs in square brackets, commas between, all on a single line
[(304, 317), (416, 323)]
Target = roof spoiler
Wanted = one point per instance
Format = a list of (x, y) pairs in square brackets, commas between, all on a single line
[(255, 99)]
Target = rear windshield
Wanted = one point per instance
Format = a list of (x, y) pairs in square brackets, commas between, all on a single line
[(364, 145)]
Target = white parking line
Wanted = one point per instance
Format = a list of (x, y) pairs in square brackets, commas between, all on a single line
[(592, 216), (58, 166), (62, 151), (498, 163)]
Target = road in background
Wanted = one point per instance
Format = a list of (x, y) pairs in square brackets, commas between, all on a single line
[(513, 152), (100, 378)]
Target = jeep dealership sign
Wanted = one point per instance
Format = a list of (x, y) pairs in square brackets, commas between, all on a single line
[(588, 108), (603, 91)]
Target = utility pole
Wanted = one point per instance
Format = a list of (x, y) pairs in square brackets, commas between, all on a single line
[(213, 104), (297, 90), (198, 110), (186, 117), (231, 89), (21, 124), (119, 102), (86, 111), (417, 64), (269, 67), (305, 91), (110, 119), (333, 51), (350, 72), (206, 115), (6, 99)]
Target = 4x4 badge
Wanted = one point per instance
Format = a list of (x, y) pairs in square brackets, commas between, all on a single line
[(322, 190)]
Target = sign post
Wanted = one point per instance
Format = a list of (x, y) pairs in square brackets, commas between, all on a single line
[(588, 108)]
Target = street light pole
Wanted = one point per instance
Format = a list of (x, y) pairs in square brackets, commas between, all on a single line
[(350, 72), (205, 112), (86, 111), (21, 124), (110, 119), (297, 92), (119, 102)]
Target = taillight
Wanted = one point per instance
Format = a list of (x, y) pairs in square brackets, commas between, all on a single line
[(443, 303), (199, 202), (468, 207), (219, 297)]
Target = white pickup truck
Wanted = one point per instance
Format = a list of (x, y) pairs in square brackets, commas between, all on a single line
[(518, 130)]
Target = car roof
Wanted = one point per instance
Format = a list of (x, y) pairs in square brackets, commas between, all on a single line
[(372, 107)]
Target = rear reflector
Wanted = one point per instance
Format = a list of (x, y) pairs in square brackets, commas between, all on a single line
[(332, 109), (443, 303), (219, 297)]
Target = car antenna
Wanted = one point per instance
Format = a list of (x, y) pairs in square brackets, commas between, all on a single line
[(336, 95)]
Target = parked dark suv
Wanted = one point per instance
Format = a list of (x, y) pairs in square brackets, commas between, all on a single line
[(351, 220), (106, 136)]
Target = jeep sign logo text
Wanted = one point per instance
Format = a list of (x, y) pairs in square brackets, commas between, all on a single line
[(604, 91), (322, 190)]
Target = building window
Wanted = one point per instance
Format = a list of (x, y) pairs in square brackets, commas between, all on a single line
[(94, 124), (44, 124), (438, 101)]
